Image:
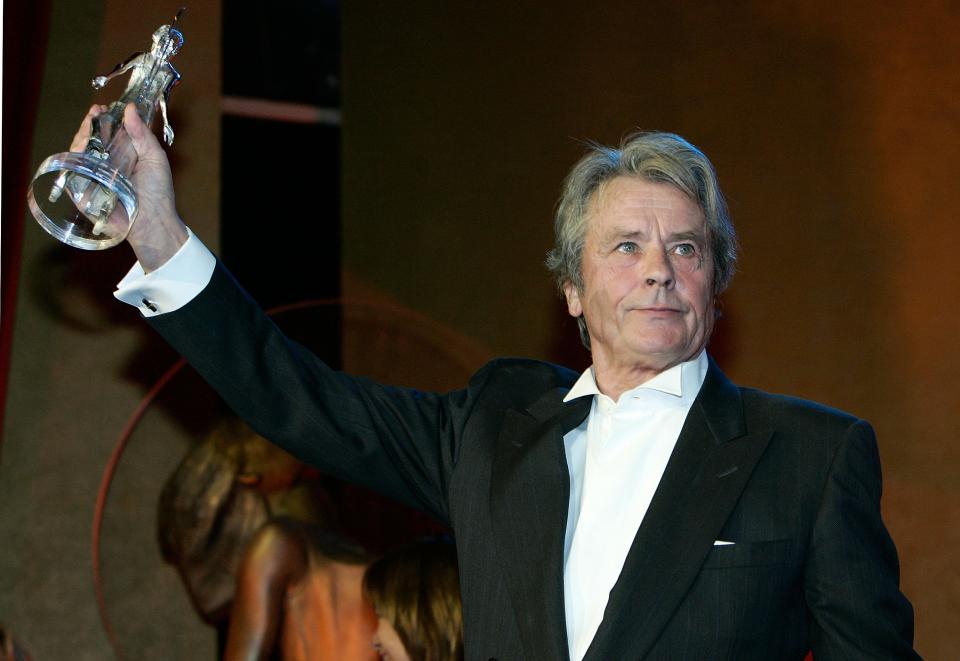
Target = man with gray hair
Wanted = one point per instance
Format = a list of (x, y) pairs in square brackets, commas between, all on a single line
[(645, 509)]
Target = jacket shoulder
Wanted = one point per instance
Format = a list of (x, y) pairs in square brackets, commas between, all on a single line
[(785, 412), (522, 378)]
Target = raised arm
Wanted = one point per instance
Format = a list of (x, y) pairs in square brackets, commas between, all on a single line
[(100, 81)]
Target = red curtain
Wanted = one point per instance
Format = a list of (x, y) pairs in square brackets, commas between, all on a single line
[(25, 27)]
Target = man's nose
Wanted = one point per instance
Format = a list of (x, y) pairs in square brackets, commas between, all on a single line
[(658, 269)]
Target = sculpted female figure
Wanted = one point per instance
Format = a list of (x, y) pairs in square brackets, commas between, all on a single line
[(96, 172)]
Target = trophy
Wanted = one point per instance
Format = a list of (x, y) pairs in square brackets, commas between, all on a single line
[(86, 200)]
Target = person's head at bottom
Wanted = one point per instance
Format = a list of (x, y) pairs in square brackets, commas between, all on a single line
[(416, 594)]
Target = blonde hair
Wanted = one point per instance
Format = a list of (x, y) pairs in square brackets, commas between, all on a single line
[(417, 590)]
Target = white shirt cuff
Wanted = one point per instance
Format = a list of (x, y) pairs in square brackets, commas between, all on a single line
[(171, 286)]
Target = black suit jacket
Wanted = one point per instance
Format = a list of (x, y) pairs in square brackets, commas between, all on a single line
[(794, 484)]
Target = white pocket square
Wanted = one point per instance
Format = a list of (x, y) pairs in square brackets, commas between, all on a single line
[(721, 542)]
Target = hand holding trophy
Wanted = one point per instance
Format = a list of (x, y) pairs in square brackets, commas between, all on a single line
[(86, 200)]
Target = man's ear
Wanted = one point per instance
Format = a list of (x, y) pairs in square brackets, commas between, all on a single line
[(574, 307)]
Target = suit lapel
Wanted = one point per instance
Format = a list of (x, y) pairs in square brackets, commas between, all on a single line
[(705, 475), (529, 496)]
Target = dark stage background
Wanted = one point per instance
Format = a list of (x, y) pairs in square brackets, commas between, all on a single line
[(835, 129)]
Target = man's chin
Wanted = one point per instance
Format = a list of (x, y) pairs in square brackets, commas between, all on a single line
[(663, 355), (657, 337)]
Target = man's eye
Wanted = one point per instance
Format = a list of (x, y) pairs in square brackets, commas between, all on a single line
[(627, 248), (685, 250)]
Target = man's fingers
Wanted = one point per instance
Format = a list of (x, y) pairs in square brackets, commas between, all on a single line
[(144, 142), (79, 142), (132, 121)]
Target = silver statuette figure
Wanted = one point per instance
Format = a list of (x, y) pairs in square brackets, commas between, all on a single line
[(86, 200)]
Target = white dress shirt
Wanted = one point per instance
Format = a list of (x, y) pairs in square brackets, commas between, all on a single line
[(616, 459), (171, 286)]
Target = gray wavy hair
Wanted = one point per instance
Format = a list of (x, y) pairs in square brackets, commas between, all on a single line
[(654, 156)]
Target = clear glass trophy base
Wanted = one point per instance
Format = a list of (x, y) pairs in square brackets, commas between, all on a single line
[(82, 200)]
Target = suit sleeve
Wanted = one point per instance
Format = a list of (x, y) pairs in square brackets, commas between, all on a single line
[(852, 572), (400, 442)]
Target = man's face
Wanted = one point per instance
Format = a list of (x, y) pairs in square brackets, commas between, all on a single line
[(647, 277)]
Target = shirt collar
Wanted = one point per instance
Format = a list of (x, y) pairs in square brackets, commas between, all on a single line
[(682, 381)]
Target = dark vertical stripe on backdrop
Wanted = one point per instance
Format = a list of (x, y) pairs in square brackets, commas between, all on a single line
[(25, 28)]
